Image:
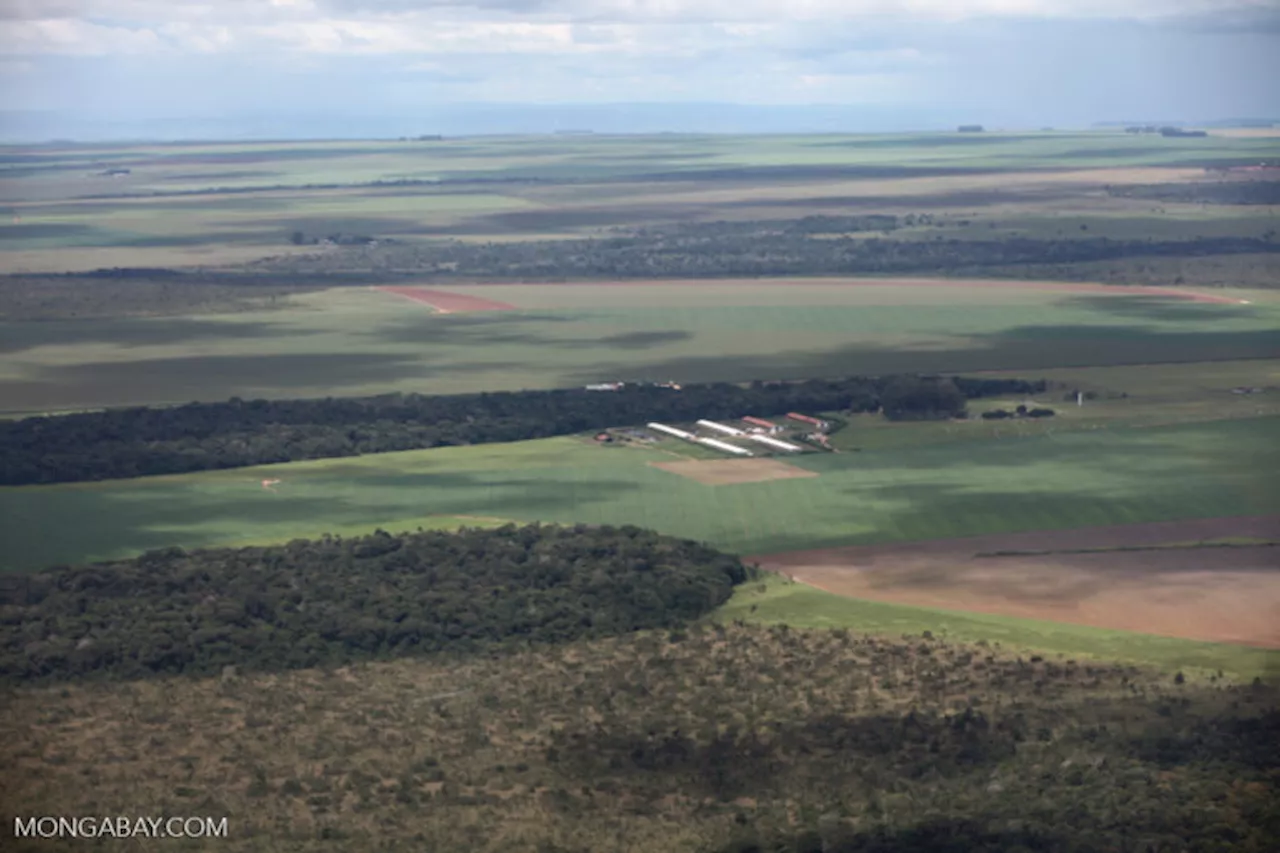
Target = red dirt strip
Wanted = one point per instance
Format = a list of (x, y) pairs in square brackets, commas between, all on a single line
[(1216, 594), (446, 302)]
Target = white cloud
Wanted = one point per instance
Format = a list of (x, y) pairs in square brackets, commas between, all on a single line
[(500, 26), (76, 37)]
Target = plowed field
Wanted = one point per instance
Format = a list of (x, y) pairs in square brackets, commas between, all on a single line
[(1208, 579)]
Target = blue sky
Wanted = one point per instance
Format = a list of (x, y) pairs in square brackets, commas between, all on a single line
[(1012, 62)]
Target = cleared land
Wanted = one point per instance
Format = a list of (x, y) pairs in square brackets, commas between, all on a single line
[(1220, 591), (446, 302), (357, 341), (727, 472)]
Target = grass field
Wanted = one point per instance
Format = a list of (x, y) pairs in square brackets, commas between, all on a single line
[(778, 601), (1077, 479), (360, 341)]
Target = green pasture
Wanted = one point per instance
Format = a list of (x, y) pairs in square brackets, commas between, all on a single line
[(355, 341), (1032, 482), (778, 601)]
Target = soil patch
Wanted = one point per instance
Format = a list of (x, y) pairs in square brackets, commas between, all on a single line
[(1217, 594), (728, 472), (444, 301)]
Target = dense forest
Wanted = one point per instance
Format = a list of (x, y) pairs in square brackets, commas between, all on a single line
[(334, 601), (143, 441), (705, 739)]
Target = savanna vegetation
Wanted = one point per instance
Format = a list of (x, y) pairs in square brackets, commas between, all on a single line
[(334, 601), (712, 737), (143, 441)]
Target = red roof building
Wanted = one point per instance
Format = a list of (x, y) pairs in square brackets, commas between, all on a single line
[(760, 422)]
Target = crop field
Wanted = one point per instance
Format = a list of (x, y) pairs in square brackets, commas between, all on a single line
[(1034, 482), (362, 341)]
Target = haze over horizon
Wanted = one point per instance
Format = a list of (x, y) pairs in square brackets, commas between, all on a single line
[(110, 69)]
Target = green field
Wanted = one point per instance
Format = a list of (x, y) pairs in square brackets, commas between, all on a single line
[(778, 601), (1033, 482), (358, 341)]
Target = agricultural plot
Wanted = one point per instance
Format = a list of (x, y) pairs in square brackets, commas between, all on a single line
[(361, 341)]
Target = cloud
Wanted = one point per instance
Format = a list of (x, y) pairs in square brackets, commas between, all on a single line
[(101, 27), (1024, 56)]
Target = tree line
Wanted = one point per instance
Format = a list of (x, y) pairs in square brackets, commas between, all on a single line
[(333, 601), (1203, 192), (145, 441), (759, 248)]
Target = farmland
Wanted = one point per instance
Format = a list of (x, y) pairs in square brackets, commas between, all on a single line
[(359, 341), (928, 491)]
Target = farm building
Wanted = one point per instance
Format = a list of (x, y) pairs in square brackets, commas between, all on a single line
[(761, 422), (775, 443), (725, 446), (807, 420), (727, 430), (604, 386), (678, 433)]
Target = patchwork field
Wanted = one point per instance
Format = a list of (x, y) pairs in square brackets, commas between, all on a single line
[(362, 341)]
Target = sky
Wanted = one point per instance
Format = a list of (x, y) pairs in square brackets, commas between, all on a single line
[(373, 67)]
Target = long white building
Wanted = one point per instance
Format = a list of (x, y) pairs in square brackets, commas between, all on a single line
[(725, 446), (678, 433), (728, 430), (773, 442)]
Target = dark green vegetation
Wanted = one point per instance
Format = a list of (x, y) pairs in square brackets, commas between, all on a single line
[(1223, 192), (757, 249), (710, 738), (202, 436), (333, 601), (910, 398)]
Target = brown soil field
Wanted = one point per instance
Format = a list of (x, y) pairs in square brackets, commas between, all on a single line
[(1211, 593), (446, 302), (728, 472)]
